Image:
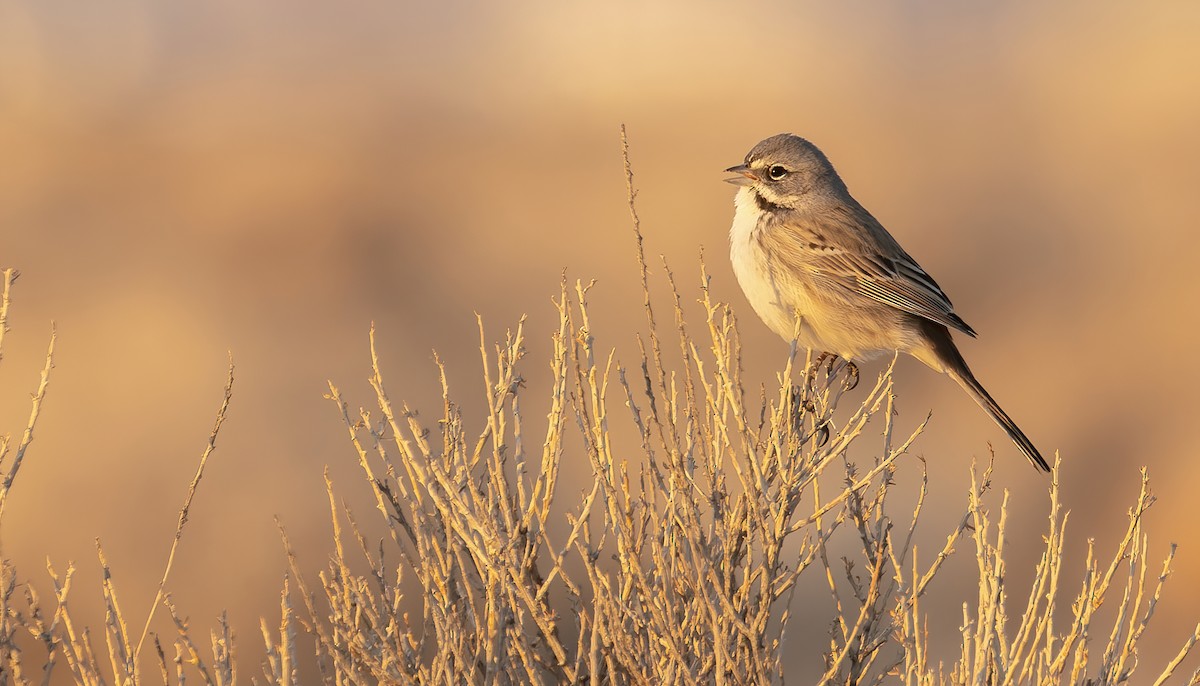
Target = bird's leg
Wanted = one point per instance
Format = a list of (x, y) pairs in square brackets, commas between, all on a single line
[(828, 359)]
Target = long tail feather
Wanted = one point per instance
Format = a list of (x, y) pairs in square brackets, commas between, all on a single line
[(976, 390), (943, 354)]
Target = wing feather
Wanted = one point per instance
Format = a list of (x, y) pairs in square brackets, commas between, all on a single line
[(852, 251)]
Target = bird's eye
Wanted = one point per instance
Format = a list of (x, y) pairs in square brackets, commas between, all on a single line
[(777, 172)]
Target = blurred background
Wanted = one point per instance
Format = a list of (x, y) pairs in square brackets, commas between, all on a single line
[(181, 180)]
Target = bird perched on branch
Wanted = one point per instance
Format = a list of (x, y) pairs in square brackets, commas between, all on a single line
[(807, 254)]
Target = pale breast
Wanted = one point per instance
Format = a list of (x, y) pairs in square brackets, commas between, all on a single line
[(843, 324), (774, 303)]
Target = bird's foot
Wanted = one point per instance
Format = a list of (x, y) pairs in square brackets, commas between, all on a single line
[(823, 360), (827, 360)]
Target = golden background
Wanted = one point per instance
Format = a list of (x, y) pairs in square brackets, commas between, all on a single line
[(179, 180)]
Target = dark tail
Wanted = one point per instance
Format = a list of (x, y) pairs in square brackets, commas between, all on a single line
[(958, 370)]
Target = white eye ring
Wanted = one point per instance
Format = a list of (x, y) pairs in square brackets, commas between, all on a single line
[(776, 172)]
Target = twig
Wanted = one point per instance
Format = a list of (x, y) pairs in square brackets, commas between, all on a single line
[(187, 504), (34, 412)]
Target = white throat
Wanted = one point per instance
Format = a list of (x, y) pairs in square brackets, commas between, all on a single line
[(746, 214)]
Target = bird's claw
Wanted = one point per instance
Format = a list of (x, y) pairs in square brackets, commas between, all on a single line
[(827, 360), (852, 378), (822, 359), (823, 433)]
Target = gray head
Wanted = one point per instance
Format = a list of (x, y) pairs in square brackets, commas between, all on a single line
[(789, 171)]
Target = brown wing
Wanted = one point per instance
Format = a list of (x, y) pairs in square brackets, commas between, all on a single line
[(850, 250)]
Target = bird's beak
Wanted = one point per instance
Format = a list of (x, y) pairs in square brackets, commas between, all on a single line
[(747, 177)]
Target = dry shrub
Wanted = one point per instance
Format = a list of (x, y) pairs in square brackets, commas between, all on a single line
[(679, 563)]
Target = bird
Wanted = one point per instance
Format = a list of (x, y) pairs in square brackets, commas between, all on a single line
[(817, 267)]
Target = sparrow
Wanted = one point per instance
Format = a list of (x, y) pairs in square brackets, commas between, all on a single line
[(811, 259)]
